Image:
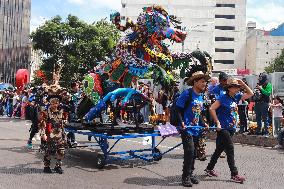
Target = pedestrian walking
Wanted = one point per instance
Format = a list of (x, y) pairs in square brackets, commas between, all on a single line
[(189, 105), (225, 114)]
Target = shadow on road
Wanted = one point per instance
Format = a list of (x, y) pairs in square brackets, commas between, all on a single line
[(179, 156), (86, 160), (21, 169), (165, 181), (83, 159)]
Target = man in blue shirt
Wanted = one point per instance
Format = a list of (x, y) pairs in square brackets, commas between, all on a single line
[(225, 114), (190, 105), (219, 89)]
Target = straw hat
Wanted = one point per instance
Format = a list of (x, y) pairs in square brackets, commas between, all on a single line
[(197, 75), (232, 82)]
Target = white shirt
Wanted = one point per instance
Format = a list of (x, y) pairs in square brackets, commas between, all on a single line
[(15, 99), (277, 111)]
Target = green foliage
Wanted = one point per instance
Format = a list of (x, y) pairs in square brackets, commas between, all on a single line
[(75, 45), (277, 65)]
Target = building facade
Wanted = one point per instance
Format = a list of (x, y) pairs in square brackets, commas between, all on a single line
[(15, 48), (216, 26), (36, 62), (263, 46)]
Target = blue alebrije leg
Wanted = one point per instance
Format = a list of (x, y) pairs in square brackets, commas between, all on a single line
[(95, 111)]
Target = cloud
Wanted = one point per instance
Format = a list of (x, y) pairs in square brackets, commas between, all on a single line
[(36, 21), (110, 4), (266, 14), (79, 2)]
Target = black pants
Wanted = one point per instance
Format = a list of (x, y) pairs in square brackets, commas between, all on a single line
[(224, 143), (71, 137), (188, 159), (242, 110), (33, 130)]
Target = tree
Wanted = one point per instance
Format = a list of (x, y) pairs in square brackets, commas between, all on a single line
[(73, 47), (277, 65)]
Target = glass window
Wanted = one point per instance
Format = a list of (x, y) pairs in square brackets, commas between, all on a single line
[(225, 27), (224, 50), (225, 16), (224, 61), (224, 39), (225, 5)]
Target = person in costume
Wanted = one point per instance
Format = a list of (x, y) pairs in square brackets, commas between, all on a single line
[(189, 105), (225, 114), (53, 121)]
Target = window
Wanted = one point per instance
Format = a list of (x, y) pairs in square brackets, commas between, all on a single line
[(224, 50), (225, 27), (225, 16), (225, 5), (224, 61), (224, 39)]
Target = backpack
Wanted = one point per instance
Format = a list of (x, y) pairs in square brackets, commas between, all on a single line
[(174, 119)]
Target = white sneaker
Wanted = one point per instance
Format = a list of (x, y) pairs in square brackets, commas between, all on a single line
[(33, 139), (278, 146), (74, 144)]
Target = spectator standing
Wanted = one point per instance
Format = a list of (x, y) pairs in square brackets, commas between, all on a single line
[(159, 105), (277, 107), (145, 111), (152, 103), (76, 95), (262, 103), (213, 83), (24, 104), (243, 113)]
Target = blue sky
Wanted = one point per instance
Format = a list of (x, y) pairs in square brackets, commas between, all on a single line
[(267, 13)]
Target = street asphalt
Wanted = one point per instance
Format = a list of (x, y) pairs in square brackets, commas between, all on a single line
[(21, 168)]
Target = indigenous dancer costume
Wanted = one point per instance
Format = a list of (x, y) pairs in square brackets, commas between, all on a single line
[(53, 121)]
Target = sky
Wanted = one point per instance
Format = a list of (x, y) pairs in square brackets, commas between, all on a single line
[(267, 14)]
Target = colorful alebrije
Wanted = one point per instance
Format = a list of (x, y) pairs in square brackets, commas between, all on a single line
[(141, 51)]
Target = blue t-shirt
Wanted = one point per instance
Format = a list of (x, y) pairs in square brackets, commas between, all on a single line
[(192, 113), (227, 113), (218, 90)]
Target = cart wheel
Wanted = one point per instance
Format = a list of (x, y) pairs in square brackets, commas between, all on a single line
[(100, 161), (158, 154)]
